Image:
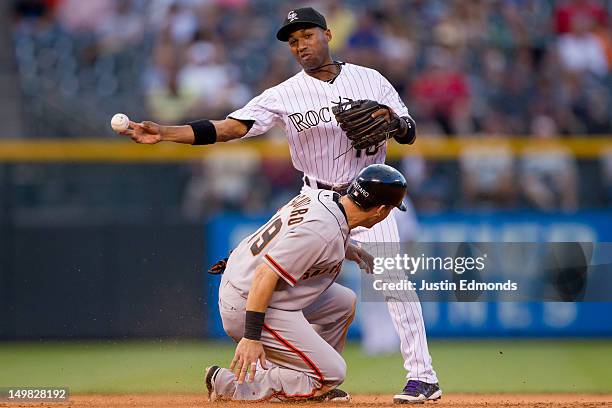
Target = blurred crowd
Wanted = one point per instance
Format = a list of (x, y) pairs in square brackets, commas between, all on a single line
[(495, 68)]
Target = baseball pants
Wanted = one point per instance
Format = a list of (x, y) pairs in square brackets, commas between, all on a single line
[(302, 346), (404, 308)]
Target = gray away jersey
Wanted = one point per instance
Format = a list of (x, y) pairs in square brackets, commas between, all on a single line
[(304, 243), (302, 106)]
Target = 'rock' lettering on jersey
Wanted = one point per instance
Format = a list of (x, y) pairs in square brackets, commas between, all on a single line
[(302, 106), (303, 121)]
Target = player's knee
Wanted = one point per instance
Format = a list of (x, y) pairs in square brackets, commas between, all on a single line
[(232, 332), (335, 371), (348, 301), (233, 327)]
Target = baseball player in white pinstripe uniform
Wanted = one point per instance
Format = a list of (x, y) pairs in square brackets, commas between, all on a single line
[(319, 148)]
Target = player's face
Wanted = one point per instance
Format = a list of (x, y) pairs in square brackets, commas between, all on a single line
[(310, 46)]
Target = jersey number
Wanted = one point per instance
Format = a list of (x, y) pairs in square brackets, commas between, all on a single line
[(268, 234), (370, 151)]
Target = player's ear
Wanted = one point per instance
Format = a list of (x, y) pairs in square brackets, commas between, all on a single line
[(328, 35), (383, 211)]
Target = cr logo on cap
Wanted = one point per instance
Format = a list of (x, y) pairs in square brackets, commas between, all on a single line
[(292, 16)]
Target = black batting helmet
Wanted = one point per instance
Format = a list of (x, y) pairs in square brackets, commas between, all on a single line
[(378, 184)]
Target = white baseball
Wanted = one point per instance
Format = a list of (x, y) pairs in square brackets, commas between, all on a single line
[(120, 122)]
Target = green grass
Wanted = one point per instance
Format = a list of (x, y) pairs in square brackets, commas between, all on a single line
[(170, 366)]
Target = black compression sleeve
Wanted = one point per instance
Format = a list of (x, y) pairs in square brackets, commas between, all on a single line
[(410, 135), (204, 132), (253, 323)]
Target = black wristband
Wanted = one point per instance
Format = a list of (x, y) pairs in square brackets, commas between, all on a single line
[(253, 323), (204, 132), (407, 124)]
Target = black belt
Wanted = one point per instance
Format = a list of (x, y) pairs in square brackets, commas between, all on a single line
[(342, 188)]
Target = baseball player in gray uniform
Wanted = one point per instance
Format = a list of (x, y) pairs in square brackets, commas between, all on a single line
[(303, 106), (278, 298)]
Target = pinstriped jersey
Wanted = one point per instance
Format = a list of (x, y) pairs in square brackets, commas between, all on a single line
[(302, 106), (304, 243)]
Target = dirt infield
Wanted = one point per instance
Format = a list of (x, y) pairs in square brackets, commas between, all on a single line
[(451, 400)]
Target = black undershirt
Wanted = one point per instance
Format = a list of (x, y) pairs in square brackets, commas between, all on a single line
[(339, 204)]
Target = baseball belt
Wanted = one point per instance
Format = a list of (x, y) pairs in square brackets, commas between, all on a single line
[(338, 188)]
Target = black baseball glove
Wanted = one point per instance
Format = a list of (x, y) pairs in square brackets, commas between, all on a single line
[(355, 118), (219, 267)]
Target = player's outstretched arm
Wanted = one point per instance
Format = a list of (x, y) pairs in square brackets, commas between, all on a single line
[(148, 132)]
